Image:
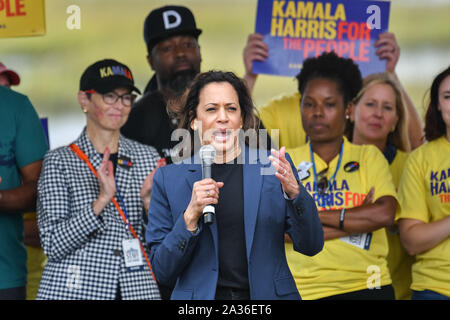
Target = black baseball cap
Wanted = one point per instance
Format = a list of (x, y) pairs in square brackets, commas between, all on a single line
[(168, 21), (106, 75)]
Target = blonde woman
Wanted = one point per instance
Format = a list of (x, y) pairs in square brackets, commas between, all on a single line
[(379, 117)]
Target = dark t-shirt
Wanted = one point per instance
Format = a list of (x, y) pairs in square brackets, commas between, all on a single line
[(149, 123), (233, 268)]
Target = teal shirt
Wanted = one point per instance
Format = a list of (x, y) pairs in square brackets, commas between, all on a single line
[(22, 142)]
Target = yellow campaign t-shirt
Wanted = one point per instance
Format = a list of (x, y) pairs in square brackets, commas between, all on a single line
[(283, 113), (350, 263), (399, 262), (424, 195), (396, 167), (36, 260)]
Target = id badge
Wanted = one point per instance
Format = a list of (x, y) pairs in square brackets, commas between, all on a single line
[(362, 240), (303, 169), (132, 254)]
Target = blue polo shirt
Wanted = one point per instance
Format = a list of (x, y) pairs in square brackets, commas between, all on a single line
[(22, 142)]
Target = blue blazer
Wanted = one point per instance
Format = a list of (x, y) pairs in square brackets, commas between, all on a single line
[(190, 261)]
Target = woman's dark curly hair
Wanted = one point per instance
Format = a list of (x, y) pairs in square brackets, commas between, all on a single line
[(190, 100), (434, 123), (185, 108), (329, 66)]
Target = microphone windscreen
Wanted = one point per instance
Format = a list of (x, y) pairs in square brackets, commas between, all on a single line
[(207, 153)]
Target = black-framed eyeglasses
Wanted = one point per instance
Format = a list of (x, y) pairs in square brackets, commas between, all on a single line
[(323, 186), (112, 97)]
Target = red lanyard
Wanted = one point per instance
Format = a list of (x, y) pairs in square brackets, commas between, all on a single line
[(84, 157)]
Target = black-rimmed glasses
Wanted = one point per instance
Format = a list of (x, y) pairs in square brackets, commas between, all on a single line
[(112, 97)]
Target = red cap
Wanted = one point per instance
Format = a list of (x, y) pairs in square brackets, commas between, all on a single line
[(13, 76)]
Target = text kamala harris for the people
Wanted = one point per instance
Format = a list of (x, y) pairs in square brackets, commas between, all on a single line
[(296, 30)]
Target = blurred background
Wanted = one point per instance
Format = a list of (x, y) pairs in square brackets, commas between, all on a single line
[(50, 66)]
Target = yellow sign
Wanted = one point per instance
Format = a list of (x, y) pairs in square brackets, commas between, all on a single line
[(20, 18)]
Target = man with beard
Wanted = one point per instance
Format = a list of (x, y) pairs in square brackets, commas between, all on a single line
[(171, 34)]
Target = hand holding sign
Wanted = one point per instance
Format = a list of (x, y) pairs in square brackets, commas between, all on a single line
[(388, 49), (297, 30), (255, 50)]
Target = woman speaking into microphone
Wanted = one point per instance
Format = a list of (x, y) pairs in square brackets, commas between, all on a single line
[(240, 254)]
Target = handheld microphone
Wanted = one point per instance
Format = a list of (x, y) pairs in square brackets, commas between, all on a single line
[(207, 154)]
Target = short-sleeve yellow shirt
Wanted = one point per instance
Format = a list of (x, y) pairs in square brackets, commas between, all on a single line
[(424, 195), (397, 166), (283, 113), (399, 262), (350, 263)]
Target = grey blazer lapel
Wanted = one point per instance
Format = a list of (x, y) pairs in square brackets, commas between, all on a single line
[(124, 176), (86, 146)]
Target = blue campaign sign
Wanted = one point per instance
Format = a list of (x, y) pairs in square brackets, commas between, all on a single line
[(296, 30)]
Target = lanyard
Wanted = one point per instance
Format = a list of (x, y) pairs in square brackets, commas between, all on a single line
[(122, 213), (330, 182), (125, 212)]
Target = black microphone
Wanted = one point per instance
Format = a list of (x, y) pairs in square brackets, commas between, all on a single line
[(207, 154)]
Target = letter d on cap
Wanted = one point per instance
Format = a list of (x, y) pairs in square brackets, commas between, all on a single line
[(167, 14)]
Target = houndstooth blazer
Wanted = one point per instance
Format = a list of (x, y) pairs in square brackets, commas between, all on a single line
[(85, 259)]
